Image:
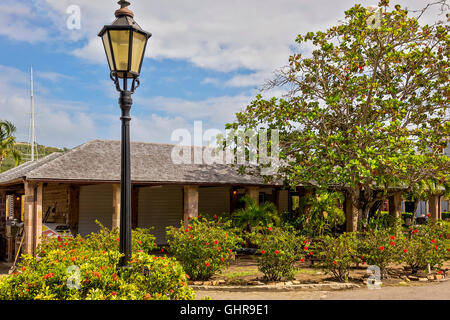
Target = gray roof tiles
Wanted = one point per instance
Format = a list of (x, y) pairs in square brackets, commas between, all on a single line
[(99, 160)]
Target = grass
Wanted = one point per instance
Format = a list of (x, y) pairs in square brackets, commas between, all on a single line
[(240, 273)]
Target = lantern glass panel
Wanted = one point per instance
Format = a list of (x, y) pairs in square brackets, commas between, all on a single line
[(107, 46), (139, 41), (120, 40)]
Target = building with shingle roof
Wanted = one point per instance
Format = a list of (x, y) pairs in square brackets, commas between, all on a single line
[(82, 185)]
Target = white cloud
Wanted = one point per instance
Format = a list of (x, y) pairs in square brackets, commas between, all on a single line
[(214, 111), (58, 123), (219, 35), (17, 23)]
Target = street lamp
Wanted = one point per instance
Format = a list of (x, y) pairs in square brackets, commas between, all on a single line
[(124, 42)]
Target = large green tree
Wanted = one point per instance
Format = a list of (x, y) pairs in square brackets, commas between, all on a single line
[(366, 109), (8, 142)]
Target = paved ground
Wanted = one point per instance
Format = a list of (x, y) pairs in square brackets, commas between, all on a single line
[(433, 291)]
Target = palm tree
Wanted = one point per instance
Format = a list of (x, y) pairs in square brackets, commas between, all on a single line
[(8, 142)]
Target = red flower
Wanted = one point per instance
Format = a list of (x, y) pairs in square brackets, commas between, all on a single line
[(199, 216), (139, 250), (113, 293), (428, 215), (230, 251), (48, 276), (207, 263), (189, 227), (59, 238), (277, 252), (392, 243), (222, 259), (311, 253), (207, 243), (381, 248), (301, 260), (114, 277), (435, 248), (269, 228), (118, 239), (263, 251), (187, 230), (216, 217), (405, 250), (162, 249), (305, 241), (392, 237), (334, 262), (433, 241), (306, 248), (216, 242), (439, 272), (190, 236), (65, 243), (219, 248)]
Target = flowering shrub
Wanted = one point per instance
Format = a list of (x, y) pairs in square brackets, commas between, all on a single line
[(280, 250), (338, 254), (105, 239), (68, 269), (425, 244), (204, 247), (380, 248)]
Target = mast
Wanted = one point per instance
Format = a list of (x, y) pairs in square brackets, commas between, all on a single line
[(32, 114)]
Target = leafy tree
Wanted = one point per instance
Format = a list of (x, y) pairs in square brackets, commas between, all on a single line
[(366, 110), (8, 141)]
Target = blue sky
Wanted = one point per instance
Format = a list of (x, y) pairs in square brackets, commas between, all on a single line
[(205, 61)]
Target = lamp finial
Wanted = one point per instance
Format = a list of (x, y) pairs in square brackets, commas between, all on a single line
[(124, 11)]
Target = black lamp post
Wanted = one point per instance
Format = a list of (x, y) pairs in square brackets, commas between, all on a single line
[(124, 42)]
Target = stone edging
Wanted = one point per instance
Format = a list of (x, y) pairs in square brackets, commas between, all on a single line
[(280, 288)]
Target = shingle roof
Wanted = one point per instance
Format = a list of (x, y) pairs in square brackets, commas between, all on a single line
[(99, 160)]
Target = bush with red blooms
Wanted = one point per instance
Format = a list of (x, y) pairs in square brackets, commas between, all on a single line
[(338, 254), (204, 247), (425, 245), (380, 248), (78, 269), (281, 249)]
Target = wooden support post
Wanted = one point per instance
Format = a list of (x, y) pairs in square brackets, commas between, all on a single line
[(190, 203), (433, 203), (32, 217), (253, 192), (395, 206), (134, 206), (116, 207), (351, 215), (39, 189), (74, 208)]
